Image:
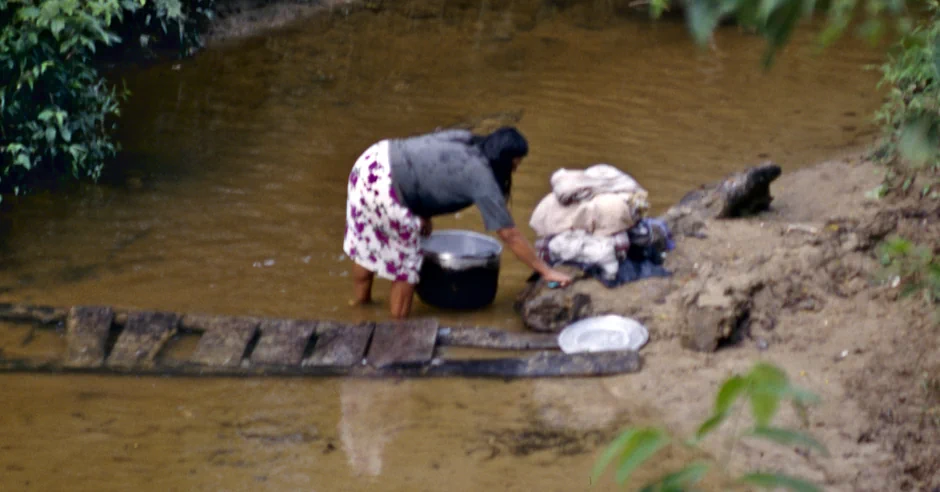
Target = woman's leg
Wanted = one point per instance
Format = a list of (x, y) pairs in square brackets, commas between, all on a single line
[(400, 299), (362, 284)]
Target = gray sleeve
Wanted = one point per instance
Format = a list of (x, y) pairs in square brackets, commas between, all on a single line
[(489, 199), (462, 136)]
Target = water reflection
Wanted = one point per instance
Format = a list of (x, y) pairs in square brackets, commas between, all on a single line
[(373, 413)]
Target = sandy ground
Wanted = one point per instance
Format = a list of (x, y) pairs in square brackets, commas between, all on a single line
[(805, 276)]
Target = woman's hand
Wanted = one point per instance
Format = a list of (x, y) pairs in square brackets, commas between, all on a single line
[(518, 244), (553, 275), (426, 227)]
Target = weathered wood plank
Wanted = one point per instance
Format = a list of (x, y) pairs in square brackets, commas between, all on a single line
[(405, 342), (282, 342), (86, 333), (144, 334), (495, 339), (27, 312), (542, 365), (339, 344), (206, 322), (224, 341)]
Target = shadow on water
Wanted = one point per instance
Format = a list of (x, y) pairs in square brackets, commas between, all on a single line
[(229, 198)]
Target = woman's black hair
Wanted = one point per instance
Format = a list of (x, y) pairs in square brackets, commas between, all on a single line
[(500, 148)]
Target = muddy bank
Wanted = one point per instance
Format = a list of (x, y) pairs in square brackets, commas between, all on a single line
[(244, 18), (799, 284)]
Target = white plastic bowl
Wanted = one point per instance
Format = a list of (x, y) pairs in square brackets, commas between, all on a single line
[(603, 333)]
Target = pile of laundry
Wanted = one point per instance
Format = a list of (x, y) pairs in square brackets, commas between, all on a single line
[(595, 219)]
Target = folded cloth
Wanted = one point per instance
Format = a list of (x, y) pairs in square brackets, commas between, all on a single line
[(575, 185), (601, 200), (602, 215), (580, 247)]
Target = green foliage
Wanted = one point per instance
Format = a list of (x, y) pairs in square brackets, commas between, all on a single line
[(775, 20), (763, 389), (910, 115), (915, 268), (57, 112), (168, 25), (55, 107)]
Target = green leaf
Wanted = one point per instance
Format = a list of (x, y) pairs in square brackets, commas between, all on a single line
[(46, 115), (28, 13), (728, 393), (691, 474), (615, 448), (780, 26), (703, 17), (788, 437), (709, 425), (915, 143), (766, 386), (23, 161), (644, 444), (57, 26), (764, 407), (764, 374), (772, 480)]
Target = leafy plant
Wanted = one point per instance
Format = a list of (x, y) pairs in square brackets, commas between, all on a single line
[(56, 109), (910, 115), (763, 389), (915, 268), (57, 112)]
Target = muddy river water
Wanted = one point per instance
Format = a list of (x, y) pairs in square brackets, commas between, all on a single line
[(229, 198)]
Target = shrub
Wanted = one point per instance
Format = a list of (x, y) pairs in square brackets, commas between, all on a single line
[(57, 112)]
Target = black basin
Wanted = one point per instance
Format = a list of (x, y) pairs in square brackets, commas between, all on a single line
[(460, 270)]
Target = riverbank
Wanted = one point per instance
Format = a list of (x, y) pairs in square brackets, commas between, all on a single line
[(800, 286)]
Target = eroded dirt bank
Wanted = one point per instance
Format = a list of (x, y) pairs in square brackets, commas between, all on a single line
[(799, 285)]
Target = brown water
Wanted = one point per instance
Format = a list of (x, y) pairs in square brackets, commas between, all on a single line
[(230, 199)]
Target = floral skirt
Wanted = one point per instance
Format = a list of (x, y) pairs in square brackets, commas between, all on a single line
[(382, 235)]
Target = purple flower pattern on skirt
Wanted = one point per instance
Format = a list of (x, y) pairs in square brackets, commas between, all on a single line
[(382, 235)]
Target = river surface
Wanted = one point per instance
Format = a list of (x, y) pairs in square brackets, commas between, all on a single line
[(229, 198)]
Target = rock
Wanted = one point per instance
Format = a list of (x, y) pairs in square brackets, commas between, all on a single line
[(554, 309), (711, 313)]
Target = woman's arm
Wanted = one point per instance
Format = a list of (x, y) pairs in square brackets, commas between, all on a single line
[(519, 245)]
